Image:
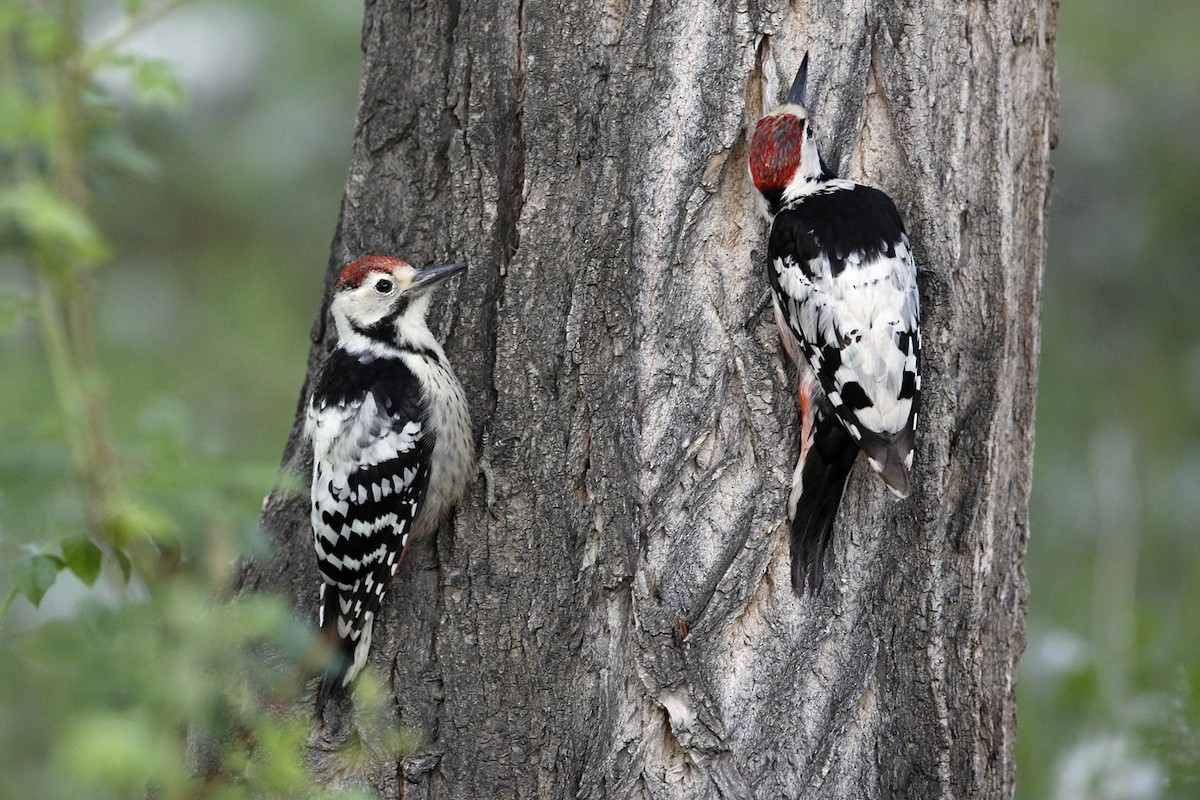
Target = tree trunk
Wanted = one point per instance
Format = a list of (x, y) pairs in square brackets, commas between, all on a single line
[(619, 623)]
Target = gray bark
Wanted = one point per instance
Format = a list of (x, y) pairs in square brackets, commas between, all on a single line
[(619, 624)]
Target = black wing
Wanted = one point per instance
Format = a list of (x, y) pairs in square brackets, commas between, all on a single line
[(845, 281)]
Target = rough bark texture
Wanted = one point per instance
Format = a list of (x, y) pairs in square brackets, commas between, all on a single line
[(620, 624)]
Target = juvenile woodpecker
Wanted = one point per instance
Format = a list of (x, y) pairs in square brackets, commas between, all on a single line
[(845, 291), (392, 447)]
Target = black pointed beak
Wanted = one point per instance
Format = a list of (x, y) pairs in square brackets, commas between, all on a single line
[(431, 276), (797, 94)]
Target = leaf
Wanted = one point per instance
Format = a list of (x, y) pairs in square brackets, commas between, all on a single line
[(50, 223), (83, 557), (124, 562), (45, 37), (117, 149), (132, 525), (33, 575), (133, 521), (154, 83)]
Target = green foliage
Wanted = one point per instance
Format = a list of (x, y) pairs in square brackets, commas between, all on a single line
[(83, 558), (38, 219), (153, 81), (33, 575), (171, 692), (1109, 705), (136, 454)]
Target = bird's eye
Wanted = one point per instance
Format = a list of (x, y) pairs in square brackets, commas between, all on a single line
[(384, 286)]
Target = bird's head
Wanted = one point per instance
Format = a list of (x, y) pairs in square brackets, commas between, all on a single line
[(379, 303), (783, 151)]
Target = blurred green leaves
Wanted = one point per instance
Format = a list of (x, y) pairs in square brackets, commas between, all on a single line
[(35, 218), (154, 83), (152, 80), (33, 575), (125, 500), (178, 693), (1108, 699), (82, 557)]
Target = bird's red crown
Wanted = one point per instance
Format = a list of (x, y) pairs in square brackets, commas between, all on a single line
[(353, 274), (775, 151)]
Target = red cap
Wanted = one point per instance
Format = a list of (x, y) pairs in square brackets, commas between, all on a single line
[(352, 274), (775, 151)]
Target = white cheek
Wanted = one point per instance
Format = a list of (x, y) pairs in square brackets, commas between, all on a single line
[(369, 307)]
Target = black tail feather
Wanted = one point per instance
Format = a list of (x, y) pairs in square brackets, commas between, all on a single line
[(827, 465), (333, 678), (332, 681)]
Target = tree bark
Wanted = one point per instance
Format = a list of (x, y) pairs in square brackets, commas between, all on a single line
[(619, 623)]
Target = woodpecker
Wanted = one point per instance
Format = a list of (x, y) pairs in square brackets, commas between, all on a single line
[(845, 294), (392, 447)]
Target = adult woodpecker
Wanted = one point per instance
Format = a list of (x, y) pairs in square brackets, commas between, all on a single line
[(392, 447), (845, 290)]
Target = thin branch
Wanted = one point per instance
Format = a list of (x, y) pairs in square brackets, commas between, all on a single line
[(122, 31)]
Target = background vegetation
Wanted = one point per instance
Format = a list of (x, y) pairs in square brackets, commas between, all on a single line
[(1109, 693), (169, 179), (196, 246)]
